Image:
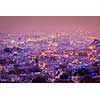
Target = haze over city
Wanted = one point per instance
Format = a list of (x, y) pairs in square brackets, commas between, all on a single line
[(50, 24)]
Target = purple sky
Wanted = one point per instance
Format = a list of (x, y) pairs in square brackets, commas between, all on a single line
[(49, 24)]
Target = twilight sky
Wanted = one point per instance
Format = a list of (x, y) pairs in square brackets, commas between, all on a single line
[(49, 24)]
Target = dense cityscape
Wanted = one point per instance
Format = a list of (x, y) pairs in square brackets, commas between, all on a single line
[(49, 58)]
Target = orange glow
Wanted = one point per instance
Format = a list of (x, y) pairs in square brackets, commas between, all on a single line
[(43, 64), (30, 40), (55, 55), (1, 67), (28, 57), (91, 47), (92, 37), (89, 53), (49, 51), (93, 58), (75, 61)]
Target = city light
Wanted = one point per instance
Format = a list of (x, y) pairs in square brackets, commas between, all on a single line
[(91, 47)]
